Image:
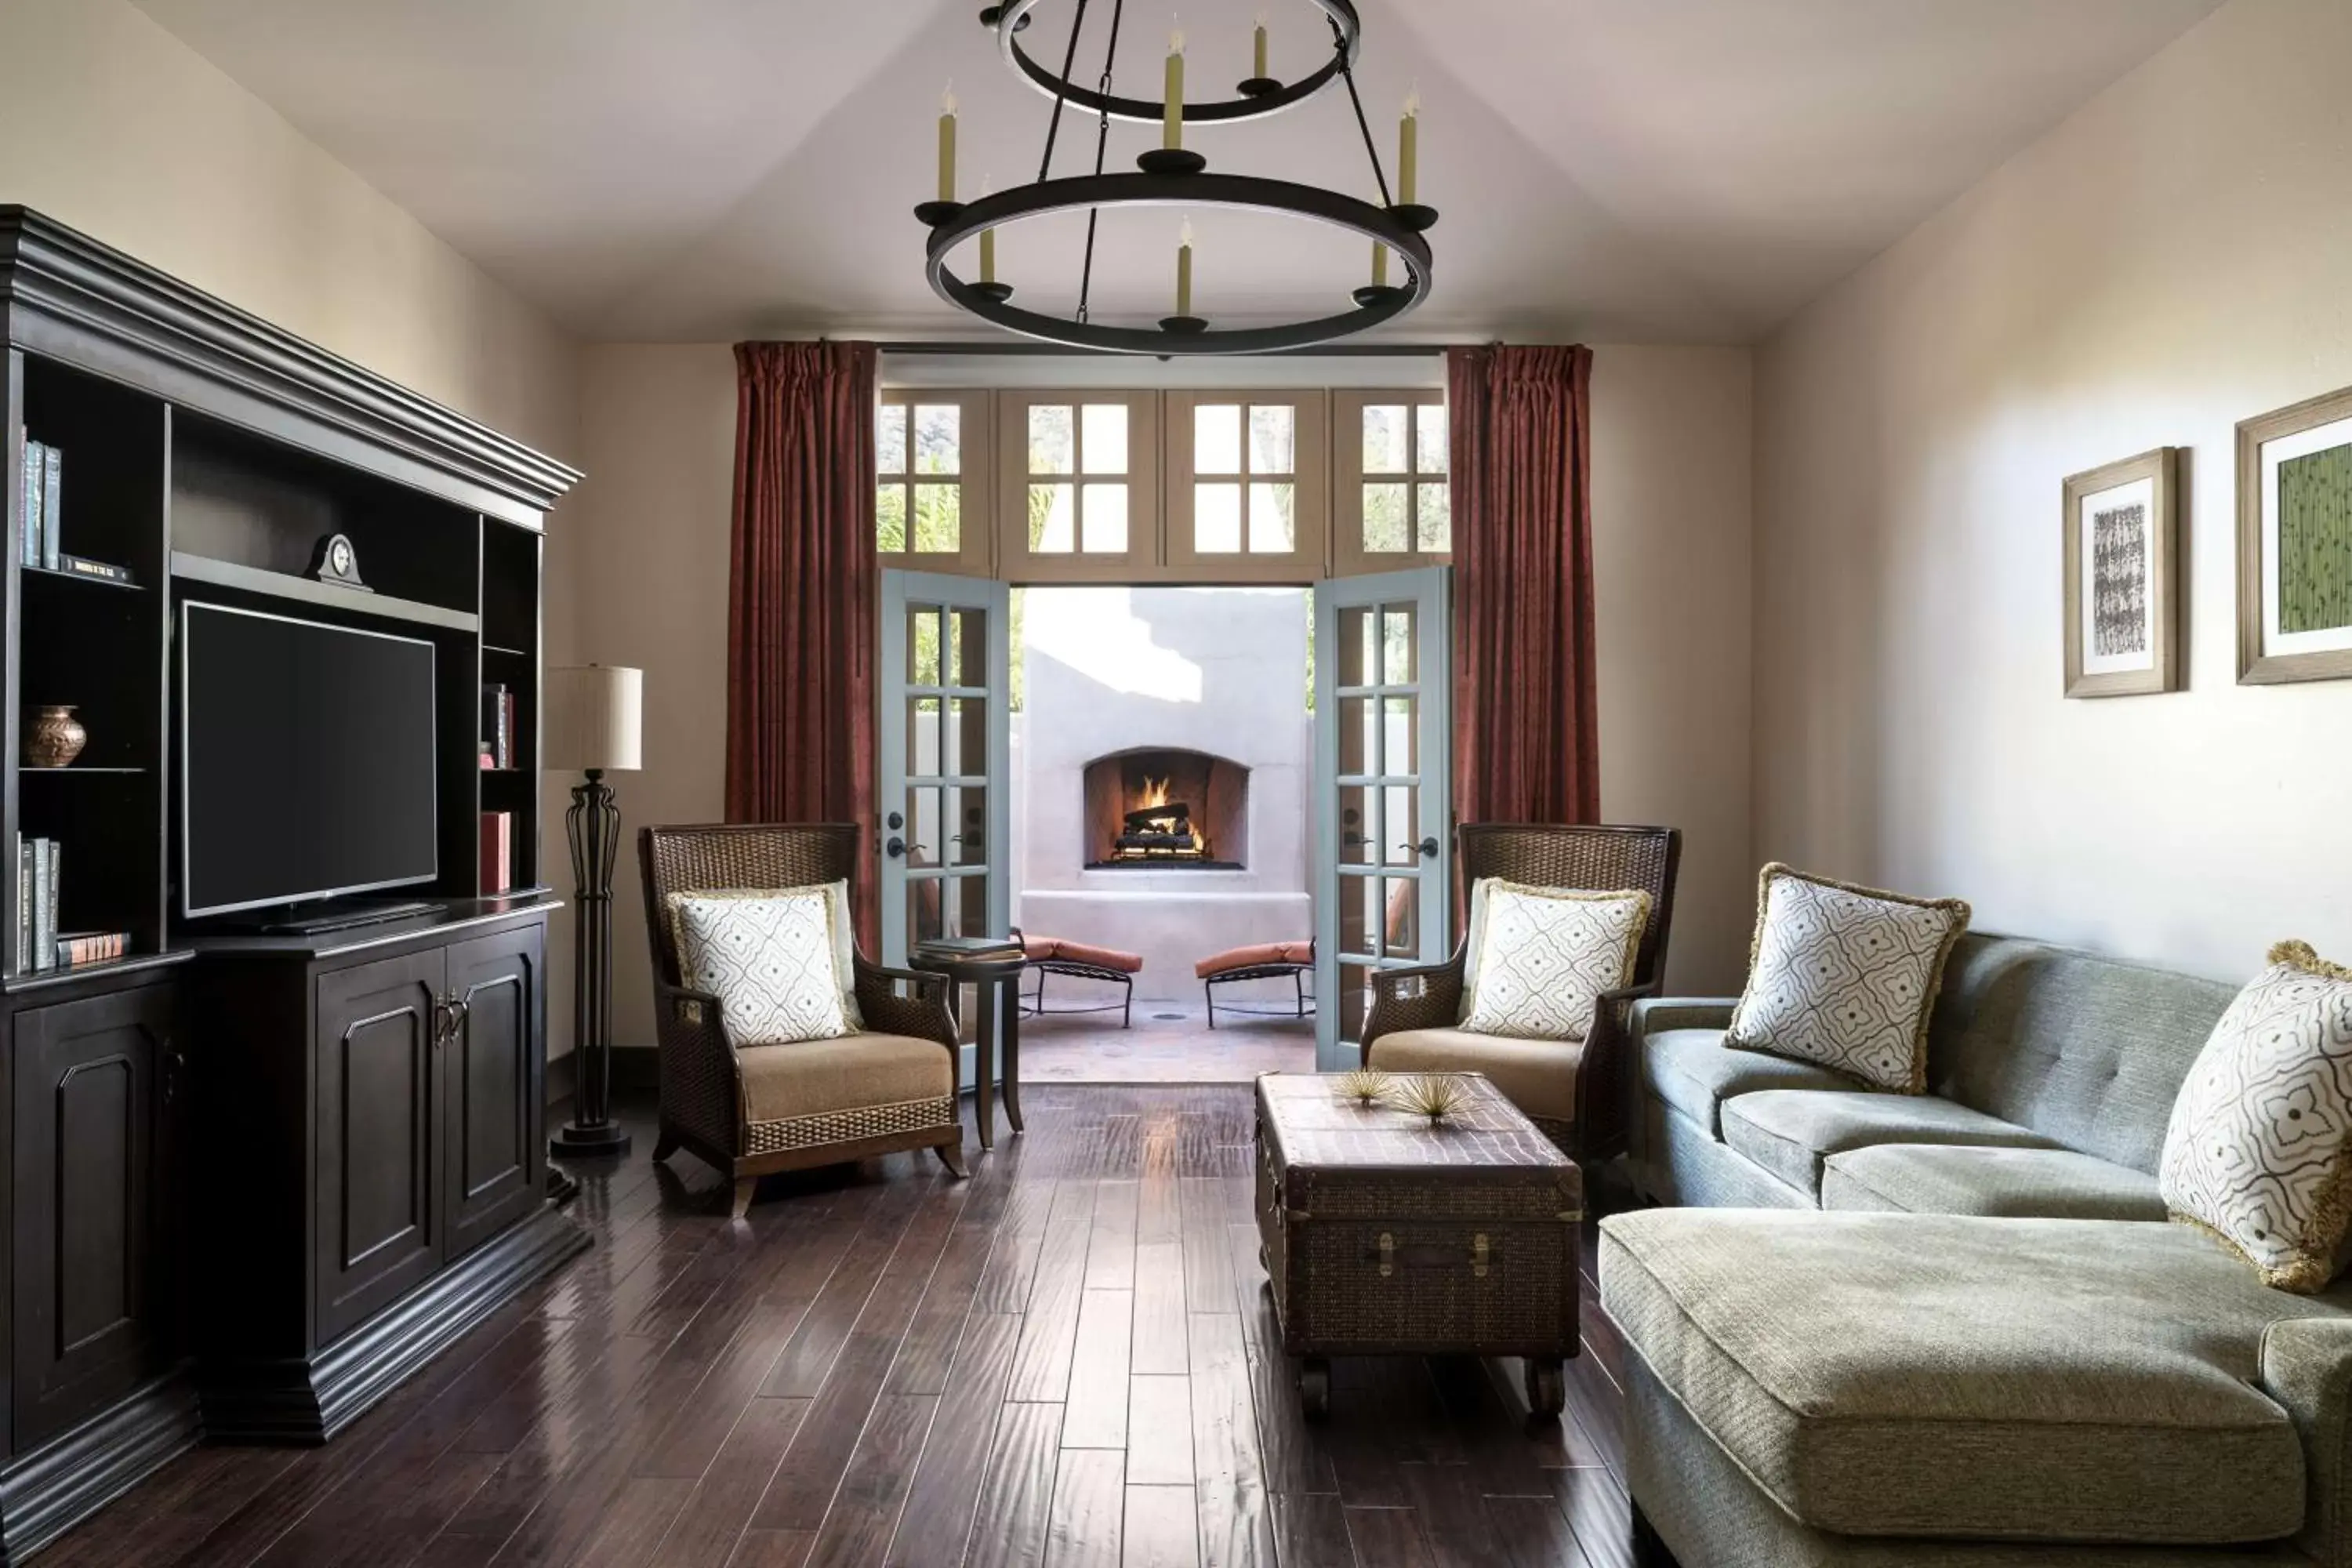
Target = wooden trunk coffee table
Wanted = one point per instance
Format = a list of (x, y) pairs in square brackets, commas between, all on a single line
[(1384, 1234)]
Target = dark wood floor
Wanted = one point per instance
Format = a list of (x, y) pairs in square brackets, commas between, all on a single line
[(1062, 1361)]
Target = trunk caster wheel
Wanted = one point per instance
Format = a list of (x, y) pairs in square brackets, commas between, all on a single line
[(1546, 1385), (1315, 1387)]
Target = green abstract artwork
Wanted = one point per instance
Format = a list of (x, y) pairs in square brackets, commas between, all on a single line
[(2315, 541)]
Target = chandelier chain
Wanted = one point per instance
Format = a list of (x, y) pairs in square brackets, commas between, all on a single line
[(1102, 145), (1371, 148), (1062, 91)]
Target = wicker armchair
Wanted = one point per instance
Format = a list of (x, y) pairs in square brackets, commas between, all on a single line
[(1597, 859), (709, 1089)]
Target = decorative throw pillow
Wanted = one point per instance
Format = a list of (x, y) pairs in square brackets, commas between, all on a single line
[(1845, 976), (2259, 1147), (1537, 959), (732, 936)]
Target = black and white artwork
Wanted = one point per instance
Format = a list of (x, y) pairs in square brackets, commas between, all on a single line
[(2119, 582)]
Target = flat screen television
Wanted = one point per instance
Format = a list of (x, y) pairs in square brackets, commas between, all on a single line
[(306, 761)]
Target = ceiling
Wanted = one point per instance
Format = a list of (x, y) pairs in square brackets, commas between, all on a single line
[(1619, 169)]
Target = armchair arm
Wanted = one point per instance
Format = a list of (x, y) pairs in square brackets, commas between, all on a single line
[(699, 1087), (1657, 1014), (1604, 1076), (1428, 996), (2306, 1366), (923, 1016)]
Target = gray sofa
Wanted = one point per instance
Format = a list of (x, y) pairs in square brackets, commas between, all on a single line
[(1953, 1328)]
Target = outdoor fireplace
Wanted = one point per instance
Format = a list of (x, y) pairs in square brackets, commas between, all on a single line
[(1165, 808)]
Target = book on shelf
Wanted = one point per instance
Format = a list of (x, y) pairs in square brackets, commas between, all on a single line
[(78, 947), (82, 567), (36, 905), (498, 725), (53, 470), (29, 502), (497, 851), (23, 933)]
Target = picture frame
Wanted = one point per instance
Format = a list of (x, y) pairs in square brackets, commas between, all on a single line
[(2123, 598), (2294, 542)]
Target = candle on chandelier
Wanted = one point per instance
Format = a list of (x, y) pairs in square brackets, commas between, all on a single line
[(1257, 53), (1409, 149), (947, 144), (1172, 127), (1184, 269), (987, 240), (1380, 265)]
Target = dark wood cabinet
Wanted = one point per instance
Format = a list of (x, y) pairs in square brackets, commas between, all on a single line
[(378, 1086), (91, 1287), (491, 1092)]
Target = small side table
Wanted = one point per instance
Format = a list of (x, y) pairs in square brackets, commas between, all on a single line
[(996, 985)]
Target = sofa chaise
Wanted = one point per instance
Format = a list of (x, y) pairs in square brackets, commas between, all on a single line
[(1953, 1328)]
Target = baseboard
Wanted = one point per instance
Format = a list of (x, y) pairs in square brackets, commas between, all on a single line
[(562, 1080), (308, 1400), (56, 1486)]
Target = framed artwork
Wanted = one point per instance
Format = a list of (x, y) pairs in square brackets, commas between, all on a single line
[(2122, 593), (2295, 544)]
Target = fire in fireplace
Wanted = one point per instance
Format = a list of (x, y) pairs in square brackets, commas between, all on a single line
[(1168, 809)]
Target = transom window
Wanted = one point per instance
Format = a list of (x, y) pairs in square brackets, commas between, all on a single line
[(929, 454), (1079, 487), (1397, 500), (1244, 478)]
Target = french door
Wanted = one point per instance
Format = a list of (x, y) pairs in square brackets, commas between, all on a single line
[(945, 833), (1384, 746)]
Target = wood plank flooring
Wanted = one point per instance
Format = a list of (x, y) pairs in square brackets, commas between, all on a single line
[(1063, 1362)]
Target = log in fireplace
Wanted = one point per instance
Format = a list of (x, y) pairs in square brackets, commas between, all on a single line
[(1166, 809)]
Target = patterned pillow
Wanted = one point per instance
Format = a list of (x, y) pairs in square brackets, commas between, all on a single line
[(768, 958), (2259, 1147), (1845, 976), (1537, 959), (844, 934)]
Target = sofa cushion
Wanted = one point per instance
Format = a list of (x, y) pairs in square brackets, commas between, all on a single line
[(814, 1077), (1695, 1071), (1949, 1375), (1790, 1131), (1537, 1076), (2018, 1183)]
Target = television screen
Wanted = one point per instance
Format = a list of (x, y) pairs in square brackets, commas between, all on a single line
[(306, 760)]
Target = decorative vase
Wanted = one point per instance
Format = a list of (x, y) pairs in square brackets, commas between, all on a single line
[(56, 738)]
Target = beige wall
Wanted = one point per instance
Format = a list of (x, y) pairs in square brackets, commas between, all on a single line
[(2171, 260), (1670, 536), (1671, 521)]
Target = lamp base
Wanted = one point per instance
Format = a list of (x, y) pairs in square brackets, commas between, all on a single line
[(588, 1140)]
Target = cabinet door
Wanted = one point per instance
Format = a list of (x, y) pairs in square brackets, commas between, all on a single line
[(91, 1292), (379, 1083), (492, 1162)]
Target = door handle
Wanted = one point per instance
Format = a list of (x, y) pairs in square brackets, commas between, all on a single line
[(895, 848), (1426, 848)]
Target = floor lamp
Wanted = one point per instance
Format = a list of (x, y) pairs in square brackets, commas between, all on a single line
[(594, 714)]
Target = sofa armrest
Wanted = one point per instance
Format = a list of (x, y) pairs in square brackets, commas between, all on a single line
[(2306, 1366), (1657, 1014)]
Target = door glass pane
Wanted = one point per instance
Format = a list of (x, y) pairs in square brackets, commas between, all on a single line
[(922, 647), (1106, 518), (1401, 932), (1360, 832), (1359, 746), (939, 522), (890, 518), (967, 810), (890, 439), (1104, 438), (1273, 527), (1355, 999), (965, 738), (1271, 439), (939, 438), (1360, 915), (1386, 529), (1217, 438), (1429, 445), (1052, 444), (1053, 520), (1398, 759), (922, 910), (1216, 518), (1397, 645), (1401, 821), (967, 663), (971, 905), (1433, 530), (922, 736), (923, 824), (1357, 658), (1385, 428)]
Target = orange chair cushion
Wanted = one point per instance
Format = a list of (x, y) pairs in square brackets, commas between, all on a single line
[(1039, 949), (1257, 953)]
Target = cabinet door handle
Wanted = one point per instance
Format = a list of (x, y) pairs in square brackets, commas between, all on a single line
[(176, 1066), (441, 1021)]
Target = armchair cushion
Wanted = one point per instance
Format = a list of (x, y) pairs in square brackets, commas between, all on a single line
[(1537, 959), (853, 1072), (1537, 1076), (770, 961)]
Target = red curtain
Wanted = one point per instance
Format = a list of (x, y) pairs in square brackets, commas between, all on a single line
[(1524, 730), (804, 595)]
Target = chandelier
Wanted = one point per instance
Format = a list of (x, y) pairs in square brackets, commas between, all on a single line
[(1173, 175)]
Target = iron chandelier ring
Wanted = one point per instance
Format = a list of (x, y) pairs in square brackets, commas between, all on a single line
[(957, 222), (1010, 18)]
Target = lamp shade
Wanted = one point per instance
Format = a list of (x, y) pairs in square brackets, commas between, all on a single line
[(594, 718)]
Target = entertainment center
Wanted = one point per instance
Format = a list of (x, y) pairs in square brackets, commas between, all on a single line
[(271, 1159)]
